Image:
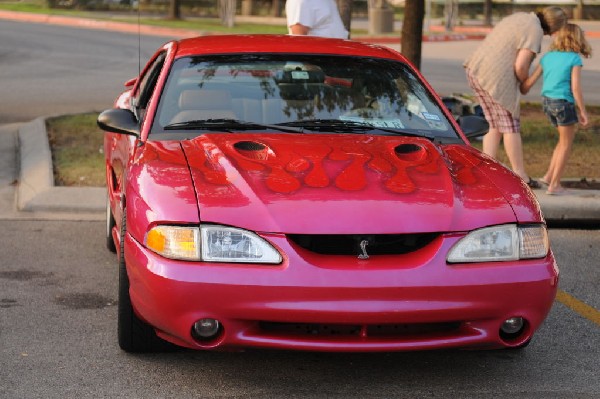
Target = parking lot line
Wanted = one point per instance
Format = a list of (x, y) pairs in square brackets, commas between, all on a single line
[(581, 308)]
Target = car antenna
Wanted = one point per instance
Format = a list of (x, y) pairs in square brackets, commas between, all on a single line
[(139, 37)]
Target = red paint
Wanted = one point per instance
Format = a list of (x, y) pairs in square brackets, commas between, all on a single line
[(321, 184)]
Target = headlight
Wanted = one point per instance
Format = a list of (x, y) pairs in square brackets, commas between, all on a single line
[(501, 243), (211, 243)]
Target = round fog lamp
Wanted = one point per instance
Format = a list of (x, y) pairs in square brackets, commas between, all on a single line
[(512, 325), (206, 328)]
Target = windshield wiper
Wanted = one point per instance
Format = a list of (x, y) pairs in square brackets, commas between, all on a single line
[(330, 125), (342, 126), (228, 125)]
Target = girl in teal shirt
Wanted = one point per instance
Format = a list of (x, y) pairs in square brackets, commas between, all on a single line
[(561, 93)]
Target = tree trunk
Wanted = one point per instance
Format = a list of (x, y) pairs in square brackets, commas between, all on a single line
[(487, 12), (227, 12), (247, 7), (450, 14), (276, 8), (345, 8), (174, 9), (412, 31), (578, 10)]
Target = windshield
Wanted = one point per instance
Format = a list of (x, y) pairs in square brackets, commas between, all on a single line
[(296, 93)]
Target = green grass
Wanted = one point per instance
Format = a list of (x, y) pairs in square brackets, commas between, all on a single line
[(540, 138), (199, 24), (208, 25), (76, 144)]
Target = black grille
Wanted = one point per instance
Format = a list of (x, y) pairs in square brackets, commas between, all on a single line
[(370, 330), (378, 244)]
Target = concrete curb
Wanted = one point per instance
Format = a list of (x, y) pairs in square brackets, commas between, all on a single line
[(36, 163), (36, 191), (583, 207)]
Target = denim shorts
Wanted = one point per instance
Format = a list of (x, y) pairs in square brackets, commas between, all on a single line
[(560, 112)]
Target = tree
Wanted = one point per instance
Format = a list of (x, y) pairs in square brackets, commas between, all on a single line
[(450, 14), (174, 9), (227, 12), (345, 8), (412, 31), (487, 12), (276, 8)]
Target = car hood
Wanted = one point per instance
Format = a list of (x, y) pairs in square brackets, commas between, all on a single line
[(347, 184)]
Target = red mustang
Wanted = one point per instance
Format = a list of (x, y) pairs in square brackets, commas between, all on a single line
[(313, 194)]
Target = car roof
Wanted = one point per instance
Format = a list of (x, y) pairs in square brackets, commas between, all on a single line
[(235, 44)]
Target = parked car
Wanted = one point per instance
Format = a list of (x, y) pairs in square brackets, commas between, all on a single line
[(312, 194)]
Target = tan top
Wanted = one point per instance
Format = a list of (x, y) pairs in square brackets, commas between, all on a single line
[(493, 63)]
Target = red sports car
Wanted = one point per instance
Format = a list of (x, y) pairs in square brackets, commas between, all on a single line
[(313, 194)]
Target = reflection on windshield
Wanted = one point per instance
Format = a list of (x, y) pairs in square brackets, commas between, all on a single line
[(283, 89)]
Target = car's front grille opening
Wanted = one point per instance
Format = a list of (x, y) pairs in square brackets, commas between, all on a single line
[(367, 330), (373, 244)]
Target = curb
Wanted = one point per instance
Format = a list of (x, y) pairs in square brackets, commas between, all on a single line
[(580, 209), (36, 163), (36, 191)]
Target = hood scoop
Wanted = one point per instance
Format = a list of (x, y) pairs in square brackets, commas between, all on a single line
[(253, 150), (410, 152)]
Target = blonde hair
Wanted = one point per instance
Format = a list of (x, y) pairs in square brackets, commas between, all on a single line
[(552, 19), (571, 38)]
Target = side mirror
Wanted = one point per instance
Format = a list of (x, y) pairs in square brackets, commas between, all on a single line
[(473, 126), (119, 120)]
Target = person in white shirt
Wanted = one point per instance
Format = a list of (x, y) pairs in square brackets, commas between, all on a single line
[(315, 18)]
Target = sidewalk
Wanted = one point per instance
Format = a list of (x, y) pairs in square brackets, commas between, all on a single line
[(37, 197)]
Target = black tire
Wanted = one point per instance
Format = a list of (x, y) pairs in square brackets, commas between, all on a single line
[(135, 336), (520, 347), (110, 224)]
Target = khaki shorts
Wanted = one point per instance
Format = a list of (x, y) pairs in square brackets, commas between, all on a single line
[(496, 115)]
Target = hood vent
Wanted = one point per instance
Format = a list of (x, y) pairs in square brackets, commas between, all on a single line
[(253, 150), (410, 152)]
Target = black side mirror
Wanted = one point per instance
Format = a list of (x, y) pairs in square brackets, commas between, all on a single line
[(473, 126), (118, 120)]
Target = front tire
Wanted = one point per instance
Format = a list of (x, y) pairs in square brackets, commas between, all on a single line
[(135, 336)]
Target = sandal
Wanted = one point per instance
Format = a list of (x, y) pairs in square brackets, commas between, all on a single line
[(543, 181), (560, 191), (534, 183)]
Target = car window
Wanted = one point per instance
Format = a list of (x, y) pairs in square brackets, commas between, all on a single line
[(309, 92), (147, 85)]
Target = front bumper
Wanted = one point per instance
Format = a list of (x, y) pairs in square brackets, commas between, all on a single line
[(341, 303)]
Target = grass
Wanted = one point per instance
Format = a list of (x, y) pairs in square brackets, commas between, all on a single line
[(77, 156), (76, 144), (540, 137), (199, 24), (127, 15)]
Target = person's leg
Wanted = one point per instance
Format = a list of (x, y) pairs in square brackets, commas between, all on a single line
[(513, 145), (551, 167), (566, 134), (491, 142)]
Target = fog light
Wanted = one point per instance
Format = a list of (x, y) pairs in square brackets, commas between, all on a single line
[(512, 326), (206, 329)]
